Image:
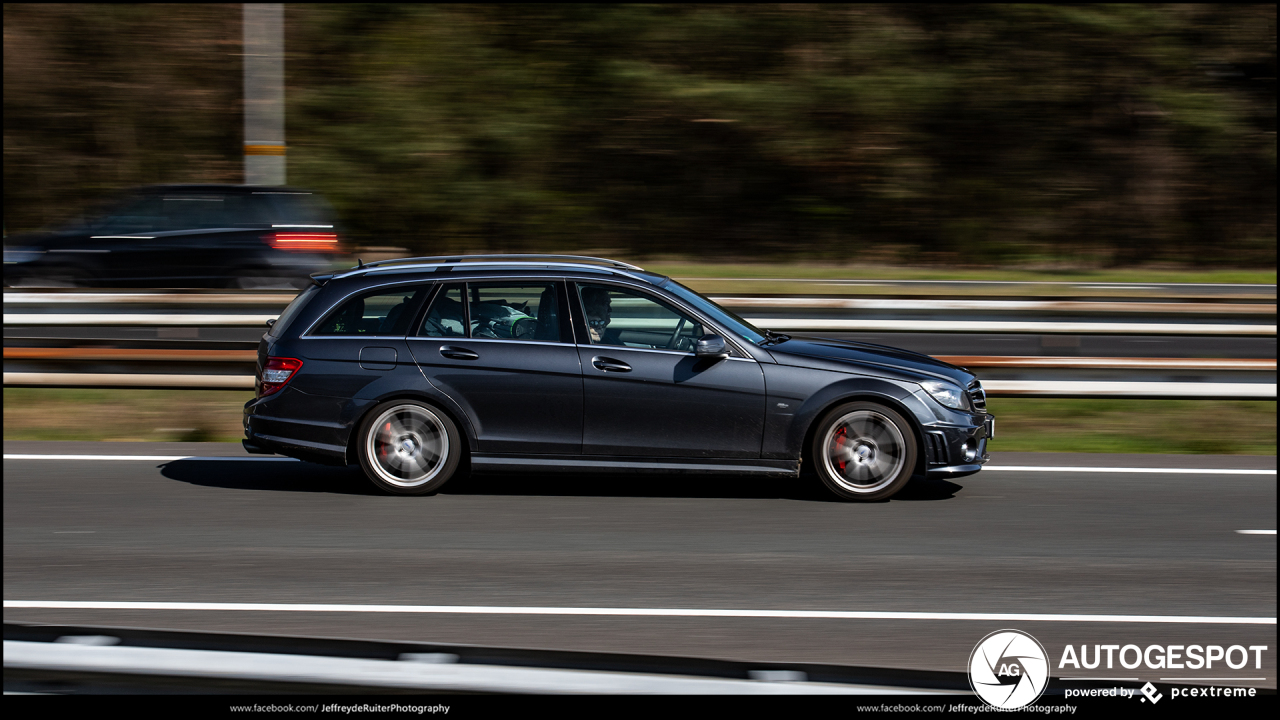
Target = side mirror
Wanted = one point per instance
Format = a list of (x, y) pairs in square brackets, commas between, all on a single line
[(711, 346)]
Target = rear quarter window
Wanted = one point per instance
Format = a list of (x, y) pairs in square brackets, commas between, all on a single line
[(379, 312), (286, 318)]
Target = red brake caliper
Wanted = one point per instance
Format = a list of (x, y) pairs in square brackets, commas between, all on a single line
[(386, 445), (840, 441)]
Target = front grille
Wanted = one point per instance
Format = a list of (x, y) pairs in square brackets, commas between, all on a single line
[(977, 396)]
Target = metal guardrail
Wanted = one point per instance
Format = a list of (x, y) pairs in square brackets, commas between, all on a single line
[(186, 316), (46, 658)]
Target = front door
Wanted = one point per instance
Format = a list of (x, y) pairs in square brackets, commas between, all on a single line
[(647, 395)]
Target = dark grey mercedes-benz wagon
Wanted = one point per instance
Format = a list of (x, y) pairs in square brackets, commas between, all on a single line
[(415, 368)]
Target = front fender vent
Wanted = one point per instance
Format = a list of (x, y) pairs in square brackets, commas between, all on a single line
[(937, 443)]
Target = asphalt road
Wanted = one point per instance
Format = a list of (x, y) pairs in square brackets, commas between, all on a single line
[(261, 531)]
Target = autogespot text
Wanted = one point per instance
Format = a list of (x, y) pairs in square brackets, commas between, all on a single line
[(1160, 657)]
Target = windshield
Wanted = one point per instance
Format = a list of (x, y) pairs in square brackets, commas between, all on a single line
[(717, 313)]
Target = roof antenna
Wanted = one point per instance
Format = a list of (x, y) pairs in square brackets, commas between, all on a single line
[(359, 264)]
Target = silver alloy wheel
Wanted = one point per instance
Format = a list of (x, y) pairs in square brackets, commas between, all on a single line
[(407, 446), (864, 451)]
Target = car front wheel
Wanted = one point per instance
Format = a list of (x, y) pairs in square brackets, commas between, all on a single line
[(864, 451), (407, 448)]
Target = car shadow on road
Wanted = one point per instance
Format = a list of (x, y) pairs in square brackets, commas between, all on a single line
[(805, 487), (310, 478), (270, 474)]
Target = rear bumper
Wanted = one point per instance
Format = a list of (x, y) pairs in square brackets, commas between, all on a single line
[(313, 441)]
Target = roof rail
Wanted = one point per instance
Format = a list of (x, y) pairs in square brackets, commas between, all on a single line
[(446, 259)]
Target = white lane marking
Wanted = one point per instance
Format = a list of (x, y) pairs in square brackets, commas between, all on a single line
[(144, 458), (636, 612), (1256, 532), (1017, 468), (1169, 471)]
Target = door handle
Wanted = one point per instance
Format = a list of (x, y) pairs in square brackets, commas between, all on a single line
[(610, 365), (457, 353)]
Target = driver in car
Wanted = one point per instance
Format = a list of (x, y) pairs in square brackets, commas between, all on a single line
[(599, 309)]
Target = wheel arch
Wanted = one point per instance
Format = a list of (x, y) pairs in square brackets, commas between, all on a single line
[(879, 392), (465, 431)]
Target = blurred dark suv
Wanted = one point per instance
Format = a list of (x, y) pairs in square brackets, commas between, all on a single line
[(184, 236)]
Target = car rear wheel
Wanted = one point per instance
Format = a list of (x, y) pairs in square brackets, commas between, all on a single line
[(407, 448), (864, 451)]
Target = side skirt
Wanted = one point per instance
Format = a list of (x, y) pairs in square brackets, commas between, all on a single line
[(481, 462)]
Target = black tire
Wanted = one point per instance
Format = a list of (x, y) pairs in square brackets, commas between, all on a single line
[(864, 451), (408, 448)]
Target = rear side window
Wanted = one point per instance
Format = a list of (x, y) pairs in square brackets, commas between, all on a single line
[(524, 311), (498, 311), (291, 312), (380, 312), (446, 318)]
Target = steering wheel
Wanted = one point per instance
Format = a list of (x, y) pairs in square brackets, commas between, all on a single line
[(671, 343)]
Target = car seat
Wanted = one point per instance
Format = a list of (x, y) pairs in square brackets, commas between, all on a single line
[(388, 326), (548, 317)]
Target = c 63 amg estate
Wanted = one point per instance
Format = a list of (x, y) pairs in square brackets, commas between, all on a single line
[(414, 368)]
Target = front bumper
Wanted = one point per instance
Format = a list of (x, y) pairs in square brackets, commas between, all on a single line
[(956, 450)]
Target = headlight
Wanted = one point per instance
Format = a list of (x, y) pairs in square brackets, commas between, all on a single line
[(949, 395)]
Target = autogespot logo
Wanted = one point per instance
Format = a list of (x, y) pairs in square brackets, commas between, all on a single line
[(1008, 669)]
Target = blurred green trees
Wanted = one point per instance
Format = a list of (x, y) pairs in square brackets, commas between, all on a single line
[(1112, 134)]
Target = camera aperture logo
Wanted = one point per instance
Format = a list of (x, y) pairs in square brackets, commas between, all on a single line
[(1008, 669)]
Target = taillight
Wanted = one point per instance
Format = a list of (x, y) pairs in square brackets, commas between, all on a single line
[(276, 374), (303, 241)]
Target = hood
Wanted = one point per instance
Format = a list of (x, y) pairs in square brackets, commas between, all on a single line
[(848, 356)]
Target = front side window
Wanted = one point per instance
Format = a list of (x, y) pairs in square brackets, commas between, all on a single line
[(626, 318), (381, 312)]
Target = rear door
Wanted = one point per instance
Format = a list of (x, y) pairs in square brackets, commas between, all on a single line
[(502, 349)]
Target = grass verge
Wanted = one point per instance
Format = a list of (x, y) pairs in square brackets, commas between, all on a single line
[(1110, 426), (1214, 427), (123, 415)]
